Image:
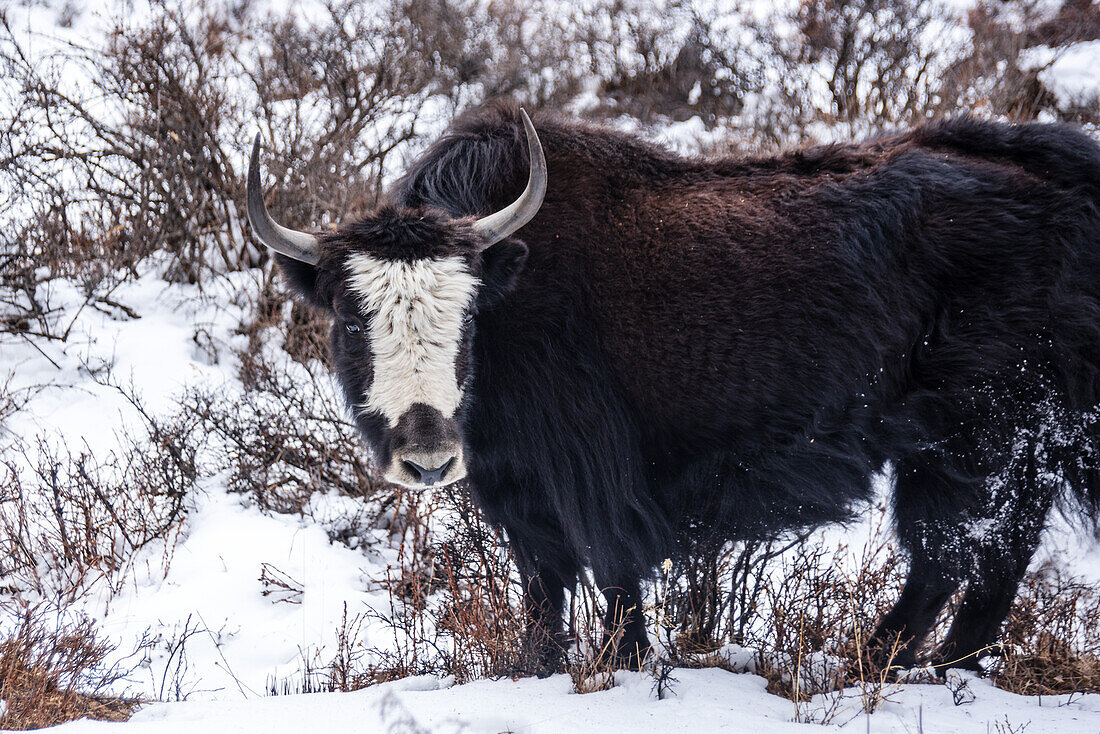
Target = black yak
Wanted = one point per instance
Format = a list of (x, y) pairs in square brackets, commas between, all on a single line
[(640, 350)]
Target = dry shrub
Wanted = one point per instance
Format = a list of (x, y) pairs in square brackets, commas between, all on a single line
[(664, 65), (819, 618), (589, 676), (53, 671), (304, 330), (172, 78), (12, 399), (285, 436), (121, 148), (848, 65), (989, 77), (801, 617), (482, 608), (476, 51), (280, 585), (845, 68), (590, 660), (1051, 639), (808, 619), (346, 670), (47, 246), (454, 604), (68, 522), (712, 594), (455, 608), (334, 100), (1075, 21), (124, 148)]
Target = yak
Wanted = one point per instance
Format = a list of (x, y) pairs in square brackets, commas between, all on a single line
[(625, 351)]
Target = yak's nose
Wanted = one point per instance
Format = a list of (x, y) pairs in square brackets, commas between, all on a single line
[(427, 476), (425, 449)]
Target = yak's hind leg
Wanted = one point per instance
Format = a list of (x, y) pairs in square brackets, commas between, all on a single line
[(965, 514), (1004, 541), (930, 583)]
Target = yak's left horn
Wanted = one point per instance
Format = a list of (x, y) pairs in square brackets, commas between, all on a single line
[(290, 242), (499, 225)]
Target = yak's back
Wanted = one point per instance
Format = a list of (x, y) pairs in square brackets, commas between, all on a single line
[(1057, 152)]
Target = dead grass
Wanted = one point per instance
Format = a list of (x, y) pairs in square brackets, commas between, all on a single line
[(53, 673), (1051, 640)]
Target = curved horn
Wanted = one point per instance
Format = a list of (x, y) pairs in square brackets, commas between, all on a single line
[(499, 225), (292, 243)]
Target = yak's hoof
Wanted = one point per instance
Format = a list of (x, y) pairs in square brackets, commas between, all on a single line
[(542, 655), (948, 657), (626, 654)]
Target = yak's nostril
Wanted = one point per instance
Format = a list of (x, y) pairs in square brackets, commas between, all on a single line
[(416, 469), (428, 476)]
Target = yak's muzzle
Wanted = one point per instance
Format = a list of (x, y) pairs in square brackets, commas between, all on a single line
[(425, 449)]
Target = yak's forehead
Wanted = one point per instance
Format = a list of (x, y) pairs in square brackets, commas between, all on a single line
[(389, 284), (406, 234), (415, 310)]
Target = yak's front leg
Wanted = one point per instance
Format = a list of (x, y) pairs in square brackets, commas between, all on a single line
[(625, 644), (545, 641)]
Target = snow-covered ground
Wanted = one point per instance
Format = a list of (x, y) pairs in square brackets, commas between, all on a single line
[(708, 700)]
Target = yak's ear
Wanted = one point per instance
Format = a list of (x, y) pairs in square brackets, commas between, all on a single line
[(306, 281), (501, 266)]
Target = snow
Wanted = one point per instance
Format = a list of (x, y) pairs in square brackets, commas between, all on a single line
[(703, 700), (156, 353), (1072, 72), (203, 587), (212, 576), (214, 579)]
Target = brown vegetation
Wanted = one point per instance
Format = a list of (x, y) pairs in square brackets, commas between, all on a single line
[(52, 672), (1051, 640)]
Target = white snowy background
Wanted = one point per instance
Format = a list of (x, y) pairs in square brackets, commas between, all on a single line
[(202, 585)]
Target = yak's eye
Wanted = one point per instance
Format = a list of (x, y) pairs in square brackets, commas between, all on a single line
[(352, 327), (467, 319)]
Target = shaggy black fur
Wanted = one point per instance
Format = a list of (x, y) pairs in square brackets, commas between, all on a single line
[(732, 348)]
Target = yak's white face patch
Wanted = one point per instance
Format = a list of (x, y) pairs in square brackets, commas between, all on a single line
[(416, 311)]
